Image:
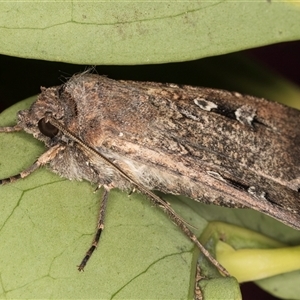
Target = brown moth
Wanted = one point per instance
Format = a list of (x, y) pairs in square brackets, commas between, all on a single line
[(210, 145)]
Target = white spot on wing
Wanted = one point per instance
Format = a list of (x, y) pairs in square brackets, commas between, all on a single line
[(204, 104), (258, 194), (245, 114)]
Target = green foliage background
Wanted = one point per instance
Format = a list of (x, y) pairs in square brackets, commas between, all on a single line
[(48, 222)]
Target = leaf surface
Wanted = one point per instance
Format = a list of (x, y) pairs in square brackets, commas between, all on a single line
[(143, 32)]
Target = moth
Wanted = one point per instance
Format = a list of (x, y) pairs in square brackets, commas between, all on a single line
[(213, 146)]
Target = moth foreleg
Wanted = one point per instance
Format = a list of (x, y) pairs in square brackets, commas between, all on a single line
[(42, 160), (100, 227), (10, 129)]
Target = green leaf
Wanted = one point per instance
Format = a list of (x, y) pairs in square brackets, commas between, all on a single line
[(143, 32), (47, 223)]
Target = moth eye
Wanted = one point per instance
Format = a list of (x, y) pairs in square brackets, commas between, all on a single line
[(47, 128)]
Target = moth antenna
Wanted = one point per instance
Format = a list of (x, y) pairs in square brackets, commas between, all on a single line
[(153, 198)]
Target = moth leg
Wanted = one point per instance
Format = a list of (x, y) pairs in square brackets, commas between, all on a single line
[(100, 228), (41, 161), (197, 291), (11, 129)]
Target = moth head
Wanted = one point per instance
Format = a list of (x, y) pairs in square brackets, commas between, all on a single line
[(34, 119)]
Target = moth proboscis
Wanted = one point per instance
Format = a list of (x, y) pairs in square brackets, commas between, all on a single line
[(210, 145)]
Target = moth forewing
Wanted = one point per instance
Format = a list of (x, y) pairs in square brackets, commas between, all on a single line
[(218, 147), (210, 145)]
